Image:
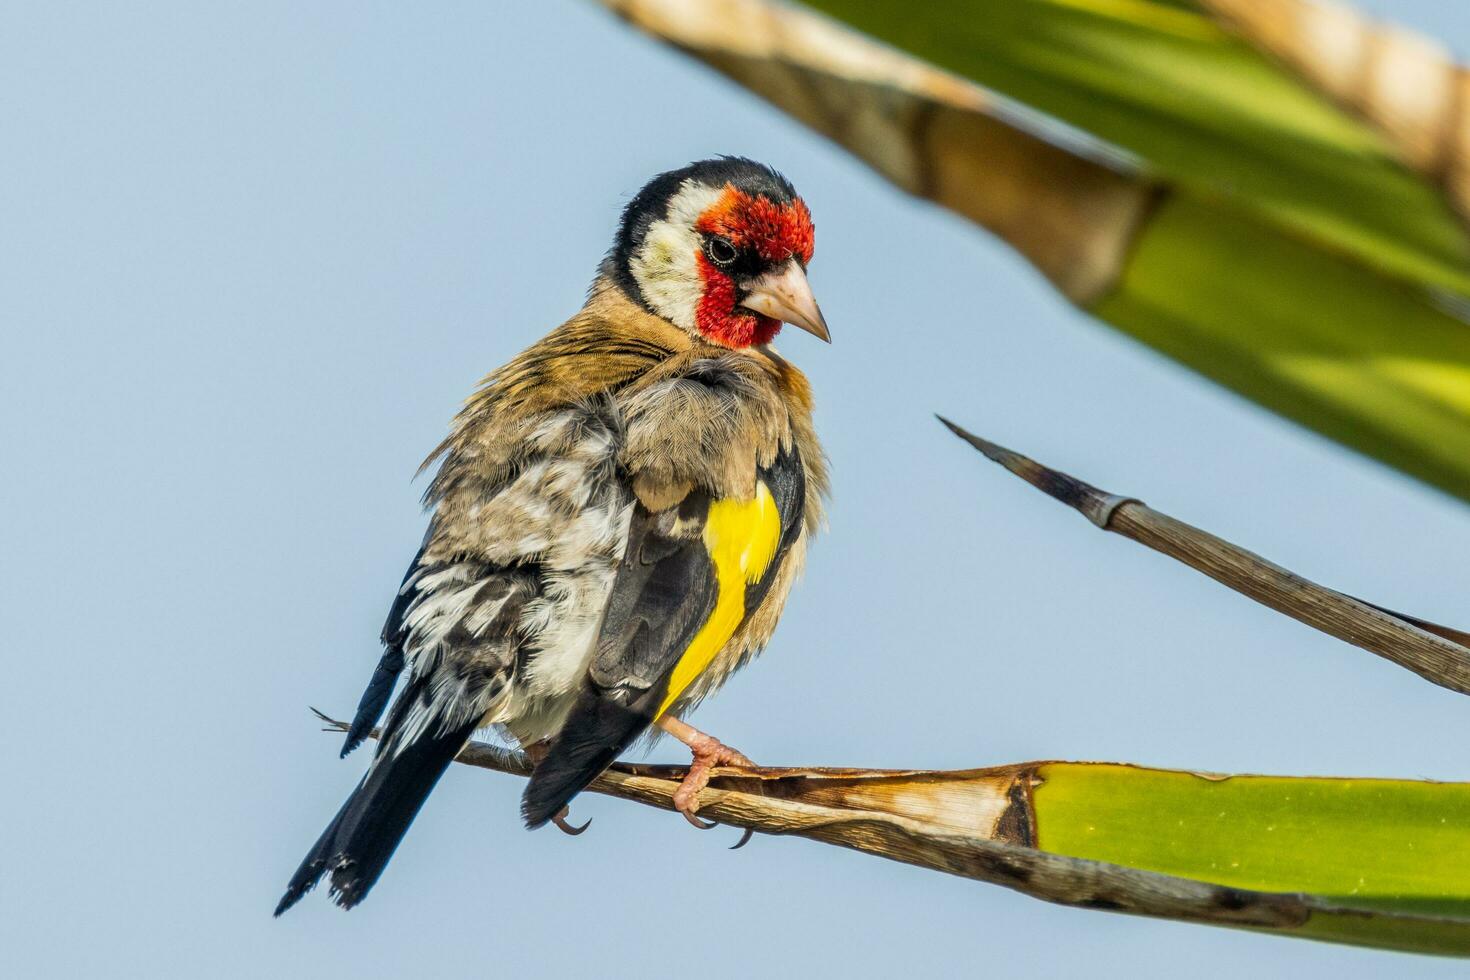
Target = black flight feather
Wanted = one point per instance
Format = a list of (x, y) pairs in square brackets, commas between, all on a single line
[(385, 675)]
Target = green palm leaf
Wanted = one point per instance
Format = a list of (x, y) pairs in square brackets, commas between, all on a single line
[(1254, 228)]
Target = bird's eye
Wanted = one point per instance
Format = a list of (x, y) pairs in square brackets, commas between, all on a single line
[(721, 252)]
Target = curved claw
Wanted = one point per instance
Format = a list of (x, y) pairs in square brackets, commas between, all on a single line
[(701, 824), (744, 839), (566, 827)]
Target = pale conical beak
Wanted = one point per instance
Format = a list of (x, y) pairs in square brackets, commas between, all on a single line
[(784, 294)]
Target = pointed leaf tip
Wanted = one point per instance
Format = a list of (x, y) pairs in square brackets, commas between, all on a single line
[(999, 454), (1094, 504)]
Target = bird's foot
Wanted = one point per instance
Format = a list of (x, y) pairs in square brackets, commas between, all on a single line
[(709, 753)]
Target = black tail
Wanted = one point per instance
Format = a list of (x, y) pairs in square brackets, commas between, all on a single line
[(357, 844)]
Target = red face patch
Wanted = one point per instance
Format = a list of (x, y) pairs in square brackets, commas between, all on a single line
[(775, 231), (720, 320)]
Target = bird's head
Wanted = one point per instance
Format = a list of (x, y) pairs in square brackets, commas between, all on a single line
[(720, 248)]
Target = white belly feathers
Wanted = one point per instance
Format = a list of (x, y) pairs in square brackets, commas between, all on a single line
[(561, 517)]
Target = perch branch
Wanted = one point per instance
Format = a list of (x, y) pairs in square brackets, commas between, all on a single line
[(971, 823)]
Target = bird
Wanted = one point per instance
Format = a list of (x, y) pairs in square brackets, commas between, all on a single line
[(616, 520)]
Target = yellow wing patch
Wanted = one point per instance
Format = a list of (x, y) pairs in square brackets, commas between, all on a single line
[(741, 537)]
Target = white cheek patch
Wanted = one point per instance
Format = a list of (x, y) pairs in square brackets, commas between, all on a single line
[(667, 272), (666, 263)]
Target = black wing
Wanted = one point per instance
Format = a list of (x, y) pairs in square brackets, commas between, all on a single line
[(667, 589)]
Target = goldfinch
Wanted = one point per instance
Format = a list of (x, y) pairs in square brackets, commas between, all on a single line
[(616, 520)]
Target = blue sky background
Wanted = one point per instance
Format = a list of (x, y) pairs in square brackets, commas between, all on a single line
[(252, 256)]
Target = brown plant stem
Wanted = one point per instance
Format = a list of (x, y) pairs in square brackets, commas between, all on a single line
[(1437, 653)]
